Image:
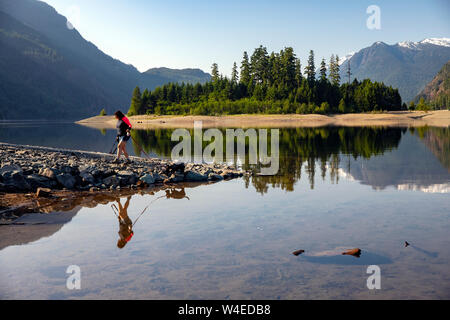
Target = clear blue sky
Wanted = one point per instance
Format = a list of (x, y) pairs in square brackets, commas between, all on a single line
[(196, 33)]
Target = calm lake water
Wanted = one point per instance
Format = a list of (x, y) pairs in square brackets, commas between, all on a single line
[(337, 188)]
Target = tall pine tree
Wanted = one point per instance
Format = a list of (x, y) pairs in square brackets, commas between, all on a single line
[(323, 70), (136, 103), (214, 72), (234, 74), (245, 69), (310, 69)]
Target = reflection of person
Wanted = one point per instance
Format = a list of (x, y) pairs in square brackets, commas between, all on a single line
[(123, 135), (125, 224), (176, 194)]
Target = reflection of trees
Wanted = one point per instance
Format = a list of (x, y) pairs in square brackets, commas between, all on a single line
[(319, 149), (316, 150), (438, 141)]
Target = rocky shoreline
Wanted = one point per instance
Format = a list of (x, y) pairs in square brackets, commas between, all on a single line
[(26, 169)]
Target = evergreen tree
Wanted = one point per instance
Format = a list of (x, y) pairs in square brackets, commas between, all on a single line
[(298, 72), (310, 69), (245, 69), (103, 112), (136, 103), (259, 63), (335, 77), (234, 74), (288, 68), (323, 70), (214, 72)]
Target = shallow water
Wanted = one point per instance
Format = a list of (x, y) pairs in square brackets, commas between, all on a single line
[(365, 188)]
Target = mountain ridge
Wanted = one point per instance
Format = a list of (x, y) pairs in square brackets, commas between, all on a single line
[(406, 65), (79, 83)]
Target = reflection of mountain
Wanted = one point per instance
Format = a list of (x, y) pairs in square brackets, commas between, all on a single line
[(409, 167), (438, 141), (34, 226)]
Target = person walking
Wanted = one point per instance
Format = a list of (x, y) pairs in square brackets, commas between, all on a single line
[(123, 135)]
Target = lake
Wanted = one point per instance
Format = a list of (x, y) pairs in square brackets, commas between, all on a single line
[(337, 188)]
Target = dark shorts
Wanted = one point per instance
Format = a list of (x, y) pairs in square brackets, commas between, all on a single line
[(124, 138)]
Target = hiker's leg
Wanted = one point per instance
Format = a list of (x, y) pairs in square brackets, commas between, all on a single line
[(124, 149), (119, 149)]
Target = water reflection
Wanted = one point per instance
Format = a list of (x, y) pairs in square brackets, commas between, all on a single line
[(406, 159), (125, 223), (53, 215)]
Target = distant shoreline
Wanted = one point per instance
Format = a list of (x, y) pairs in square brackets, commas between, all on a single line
[(439, 118)]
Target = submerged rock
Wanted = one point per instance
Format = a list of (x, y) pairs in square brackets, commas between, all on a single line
[(356, 252), (298, 252)]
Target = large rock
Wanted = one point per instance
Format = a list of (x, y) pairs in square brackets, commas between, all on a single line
[(148, 178), (15, 180), (194, 176), (176, 177), (215, 177), (111, 181), (127, 177), (47, 172), (8, 169), (66, 180), (37, 181), (72, 170), (87, 177)]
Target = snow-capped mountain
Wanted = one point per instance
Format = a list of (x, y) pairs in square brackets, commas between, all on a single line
[(348, 56), (406, 65), (445, 42)]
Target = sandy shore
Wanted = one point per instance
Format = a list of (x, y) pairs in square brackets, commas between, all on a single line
[(395, 119)]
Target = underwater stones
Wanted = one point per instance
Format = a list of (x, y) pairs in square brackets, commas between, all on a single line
[(298, 252), (356, 252)]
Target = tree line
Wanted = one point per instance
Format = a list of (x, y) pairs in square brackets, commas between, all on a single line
[(269, 84)]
